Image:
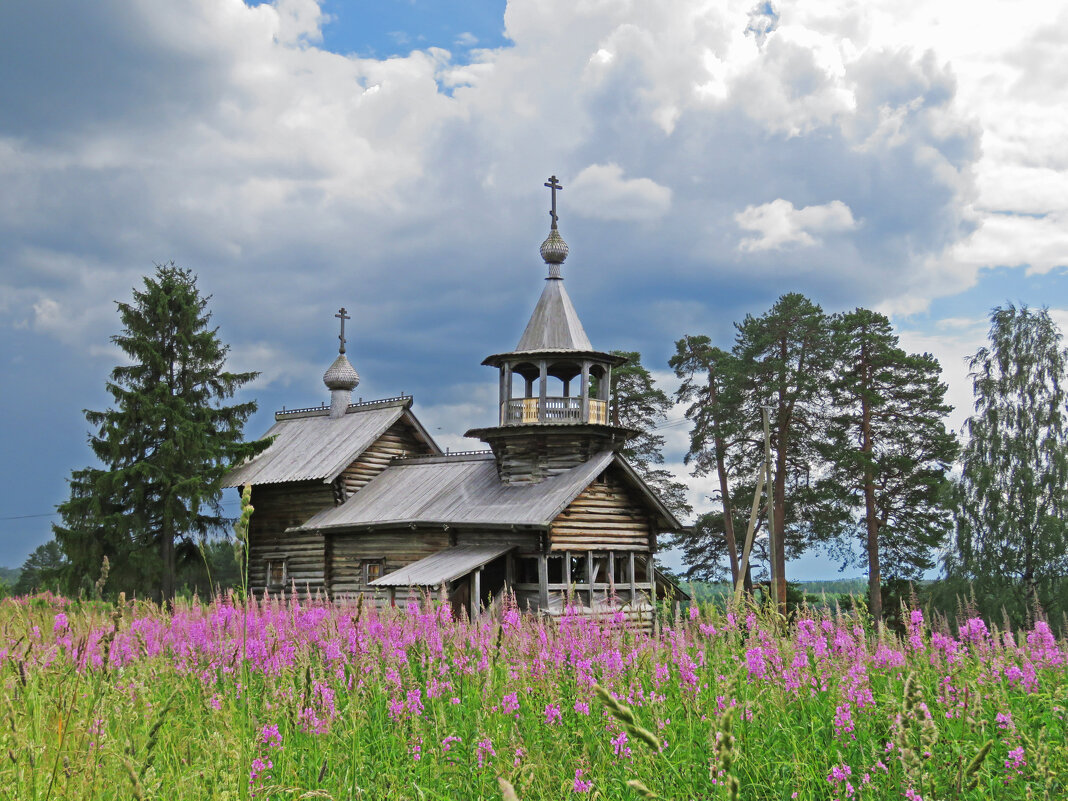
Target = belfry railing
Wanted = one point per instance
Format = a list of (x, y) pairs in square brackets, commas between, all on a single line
[(555, 410)]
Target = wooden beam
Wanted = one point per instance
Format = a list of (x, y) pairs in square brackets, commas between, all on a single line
[(543, 382), (633, 589), (543, 582)]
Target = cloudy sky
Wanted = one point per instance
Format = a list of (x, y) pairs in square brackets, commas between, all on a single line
[(389, 156)]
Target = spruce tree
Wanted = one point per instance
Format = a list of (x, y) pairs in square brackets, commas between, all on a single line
[(164, 445), (1012, 517), (887, 450), (639, 404)]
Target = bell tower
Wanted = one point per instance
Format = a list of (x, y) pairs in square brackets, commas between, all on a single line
[(554, 387)]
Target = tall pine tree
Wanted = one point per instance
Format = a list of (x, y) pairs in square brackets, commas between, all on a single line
[(1012, 519), (710, 384), (887, 450), (164, 445), (784, 357)]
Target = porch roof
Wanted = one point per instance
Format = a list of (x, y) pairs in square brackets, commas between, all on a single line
[(446, 565)]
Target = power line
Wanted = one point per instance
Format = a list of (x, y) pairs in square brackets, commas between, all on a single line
[(27, 517)]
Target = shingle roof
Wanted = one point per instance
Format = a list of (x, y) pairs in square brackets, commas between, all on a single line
[(554, 324), (446, 565), (311, 445), (457, 491)]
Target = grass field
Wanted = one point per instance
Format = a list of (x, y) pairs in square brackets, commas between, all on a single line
[(286, 701)]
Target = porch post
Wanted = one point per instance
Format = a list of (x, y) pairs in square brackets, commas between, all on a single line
[(633, 588), (476, 601), (543, 583)]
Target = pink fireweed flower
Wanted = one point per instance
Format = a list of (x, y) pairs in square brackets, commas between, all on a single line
[(510, 620), (414, 702), (258, 771), (582, 707), (553, 716), (1004, 721), (270, 736), (754, 660), (912, 795), (59, 623), (973, 631), (843, 722), (581, 785), (1016, 761), (446, 744), (839, 773), (620, 747), (694, 613), (510, 703), (484, 749)]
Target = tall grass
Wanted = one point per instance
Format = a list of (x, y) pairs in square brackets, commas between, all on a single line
[(286, 700)]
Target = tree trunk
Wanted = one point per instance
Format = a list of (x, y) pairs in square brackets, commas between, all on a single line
[(875, 586), (780, 532), (167, 547), (728, 516)]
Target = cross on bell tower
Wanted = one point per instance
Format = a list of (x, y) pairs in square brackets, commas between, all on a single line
[(554, 185), (554, 387), (554, 249)]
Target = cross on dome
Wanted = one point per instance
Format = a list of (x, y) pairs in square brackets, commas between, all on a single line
[(343, 316)]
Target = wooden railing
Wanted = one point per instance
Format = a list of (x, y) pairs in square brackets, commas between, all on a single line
[(556, 410)]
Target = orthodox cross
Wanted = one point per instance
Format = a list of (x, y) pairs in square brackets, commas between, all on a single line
[(553, 184), (343, 316)]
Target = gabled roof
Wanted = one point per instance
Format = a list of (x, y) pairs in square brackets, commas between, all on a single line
[(466, 491), (453, 490), (310, 445), (446, 565), (555, 324)]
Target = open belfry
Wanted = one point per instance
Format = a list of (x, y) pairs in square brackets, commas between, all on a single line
[(357, 498)]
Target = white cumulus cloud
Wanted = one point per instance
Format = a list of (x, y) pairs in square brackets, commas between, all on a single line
[(601, 191), (779, 225)]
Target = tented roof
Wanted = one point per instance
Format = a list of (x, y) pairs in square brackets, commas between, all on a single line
[(555, 324)]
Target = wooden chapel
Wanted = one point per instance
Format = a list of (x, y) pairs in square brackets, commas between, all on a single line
[(358, 499)]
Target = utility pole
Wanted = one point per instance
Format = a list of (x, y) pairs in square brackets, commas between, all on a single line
[(778, 572)]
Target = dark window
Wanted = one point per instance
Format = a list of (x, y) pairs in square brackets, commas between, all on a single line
[(579, 569), (372, 570), (621, 569), (600, 569), (641, 569), (555, 565), (526, 571), (276, 572)]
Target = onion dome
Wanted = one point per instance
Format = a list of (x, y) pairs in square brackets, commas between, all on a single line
[(341, 374), (554, 251)]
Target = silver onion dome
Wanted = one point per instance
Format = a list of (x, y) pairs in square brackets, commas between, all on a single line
[(554, 251), (341, 374)]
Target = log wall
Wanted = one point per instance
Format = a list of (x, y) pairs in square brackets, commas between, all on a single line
[(399, 440), (396, 548), (279, 506), (605, 516)]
